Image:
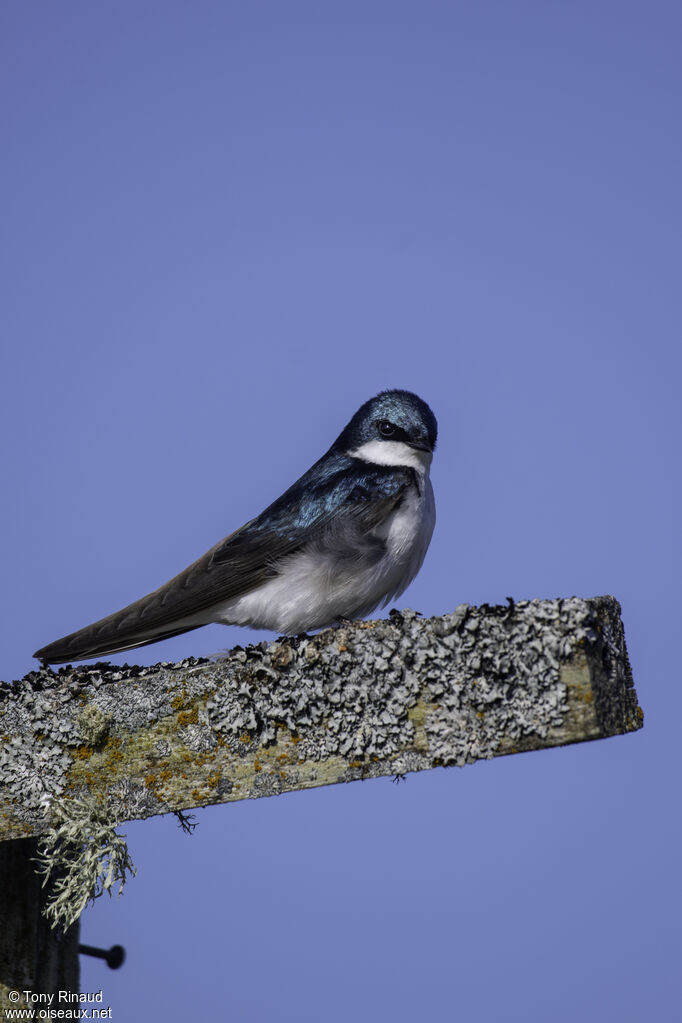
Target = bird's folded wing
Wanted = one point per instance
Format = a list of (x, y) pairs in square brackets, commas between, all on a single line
[(240, 562)]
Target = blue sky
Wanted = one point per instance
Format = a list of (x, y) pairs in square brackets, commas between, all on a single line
[(225, 226)]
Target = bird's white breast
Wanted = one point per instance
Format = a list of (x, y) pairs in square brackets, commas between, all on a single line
[(314, 588)]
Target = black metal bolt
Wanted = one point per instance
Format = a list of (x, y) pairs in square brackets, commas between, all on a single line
[(114, 956)]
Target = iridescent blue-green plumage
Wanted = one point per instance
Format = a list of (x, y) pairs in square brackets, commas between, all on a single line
[(405, 410)]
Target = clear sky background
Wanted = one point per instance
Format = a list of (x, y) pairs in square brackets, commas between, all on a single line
[(226, 225)]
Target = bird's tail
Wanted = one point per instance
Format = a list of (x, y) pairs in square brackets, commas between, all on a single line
[(85, 644)]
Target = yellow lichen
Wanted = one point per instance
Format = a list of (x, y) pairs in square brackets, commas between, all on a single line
[(188, 717)]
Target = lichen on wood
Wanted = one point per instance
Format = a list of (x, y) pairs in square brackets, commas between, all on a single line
[(86, 748), (363, 700)]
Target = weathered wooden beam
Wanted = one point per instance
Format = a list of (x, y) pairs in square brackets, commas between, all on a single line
[(367, 699)]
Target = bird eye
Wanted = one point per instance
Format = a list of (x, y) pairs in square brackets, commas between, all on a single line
[(385, 428)]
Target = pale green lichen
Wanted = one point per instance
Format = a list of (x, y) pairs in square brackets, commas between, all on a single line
[(93, 725), (80, 857)]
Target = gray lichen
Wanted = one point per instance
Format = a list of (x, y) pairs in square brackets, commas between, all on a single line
[(48, 718), (357, 702)]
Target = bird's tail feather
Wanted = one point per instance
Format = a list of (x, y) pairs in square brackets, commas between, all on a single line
[(94, 641)]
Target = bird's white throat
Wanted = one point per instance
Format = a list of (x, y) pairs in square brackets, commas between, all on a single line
[(393, 452)]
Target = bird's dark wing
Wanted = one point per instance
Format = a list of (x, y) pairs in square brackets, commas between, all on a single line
[(336, 500)]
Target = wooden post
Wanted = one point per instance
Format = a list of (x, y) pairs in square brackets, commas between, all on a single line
[(99, 745), (33, 957)]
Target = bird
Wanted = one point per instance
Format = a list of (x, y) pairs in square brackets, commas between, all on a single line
[(344, 539)]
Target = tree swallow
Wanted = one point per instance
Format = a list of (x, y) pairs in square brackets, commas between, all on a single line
[(348, 536)]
